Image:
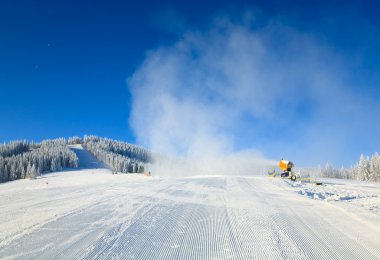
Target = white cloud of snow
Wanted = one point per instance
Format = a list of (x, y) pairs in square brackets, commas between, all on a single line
[(216, 92)]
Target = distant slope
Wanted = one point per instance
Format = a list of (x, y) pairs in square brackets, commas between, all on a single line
[(86, 159), (120, 156)]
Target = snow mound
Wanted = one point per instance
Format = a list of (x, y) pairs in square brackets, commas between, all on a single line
[(363, 194)]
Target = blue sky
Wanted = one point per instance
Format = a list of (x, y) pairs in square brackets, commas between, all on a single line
[(75, 67)]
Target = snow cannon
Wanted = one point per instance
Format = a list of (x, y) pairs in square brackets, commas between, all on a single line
[(287, 166)]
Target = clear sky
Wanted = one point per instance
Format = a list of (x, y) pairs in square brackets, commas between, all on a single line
[(85, 67)]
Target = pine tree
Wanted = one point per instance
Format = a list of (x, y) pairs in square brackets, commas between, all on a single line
[(363, 168), (375, 168)]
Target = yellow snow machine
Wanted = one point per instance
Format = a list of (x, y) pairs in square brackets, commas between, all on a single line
[(287, 166)]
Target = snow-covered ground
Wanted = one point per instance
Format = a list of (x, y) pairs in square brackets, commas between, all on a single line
[(93, 214), (361, 196)]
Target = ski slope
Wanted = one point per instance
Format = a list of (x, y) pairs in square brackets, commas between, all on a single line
[(86, 160), (93, 214)]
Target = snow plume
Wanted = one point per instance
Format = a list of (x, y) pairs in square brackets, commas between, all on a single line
[(214, 93)]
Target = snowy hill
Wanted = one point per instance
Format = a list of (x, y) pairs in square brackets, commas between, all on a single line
[(24, 159)]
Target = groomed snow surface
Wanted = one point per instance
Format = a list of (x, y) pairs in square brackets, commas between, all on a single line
[(93, 214)]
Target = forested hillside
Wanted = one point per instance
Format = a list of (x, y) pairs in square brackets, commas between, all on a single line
[(23, 159), (120, 156)]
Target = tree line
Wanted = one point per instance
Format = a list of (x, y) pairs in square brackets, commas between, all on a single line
[(23, 159), (120, 156), (367, 169)]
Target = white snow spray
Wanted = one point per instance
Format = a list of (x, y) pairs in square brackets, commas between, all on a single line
[(206, 99), (187, 97)]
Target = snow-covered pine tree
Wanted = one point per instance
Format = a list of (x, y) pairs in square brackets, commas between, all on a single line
[(18, 158), (375, 168), (74, 140), (363, 168)]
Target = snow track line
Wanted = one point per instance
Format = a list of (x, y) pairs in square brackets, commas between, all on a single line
[(136, 240), (209, 234), (113, 236), (268, 240)]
